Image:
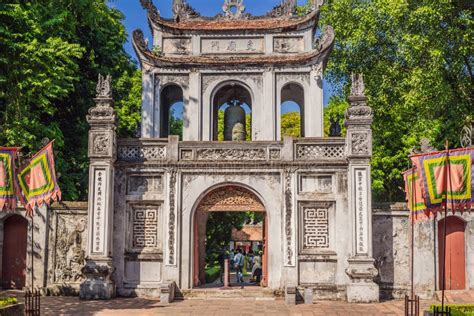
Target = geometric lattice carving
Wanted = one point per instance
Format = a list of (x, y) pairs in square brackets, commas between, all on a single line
[(138, 153), (145, 228), (316, 228), (320, 151), (315, 222)]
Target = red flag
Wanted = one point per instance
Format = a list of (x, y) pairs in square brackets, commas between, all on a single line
[(7, 178), (37, 180)]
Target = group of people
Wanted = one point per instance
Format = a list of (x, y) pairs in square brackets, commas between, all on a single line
[(242, 262)]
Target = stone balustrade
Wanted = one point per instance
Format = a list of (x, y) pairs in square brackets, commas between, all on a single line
[(291, 149)]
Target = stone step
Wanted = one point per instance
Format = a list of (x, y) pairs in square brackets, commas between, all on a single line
[(252, 294)]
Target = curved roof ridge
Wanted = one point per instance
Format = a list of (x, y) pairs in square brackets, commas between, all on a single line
[(188, 19), (318, 54)]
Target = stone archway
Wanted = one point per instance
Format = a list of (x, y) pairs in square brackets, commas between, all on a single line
[(229, 198)]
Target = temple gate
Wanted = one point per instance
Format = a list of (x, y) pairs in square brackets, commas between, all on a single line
[(148, 193)]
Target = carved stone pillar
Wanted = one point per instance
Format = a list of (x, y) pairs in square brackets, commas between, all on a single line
[(361, 268), (102, 155)]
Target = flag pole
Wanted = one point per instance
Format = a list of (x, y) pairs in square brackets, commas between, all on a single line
[(446, 175), (32, 252), (413, 204)]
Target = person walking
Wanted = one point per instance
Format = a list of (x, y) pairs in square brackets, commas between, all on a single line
[(238, 265), (257, 267), (221, 259), (231, 258)]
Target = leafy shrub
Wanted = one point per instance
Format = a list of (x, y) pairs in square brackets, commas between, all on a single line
[(212, 273), (5, 301), (458, 310)]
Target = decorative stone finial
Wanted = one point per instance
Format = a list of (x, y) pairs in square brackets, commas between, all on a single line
[(233, 9), (182, 10), (104, 87), (358, 109), (103, 111), (286, 8), (358, 86), (150, 7)]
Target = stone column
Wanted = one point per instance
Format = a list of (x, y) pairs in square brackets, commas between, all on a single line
[(102, 155), (149, 126), (313, 107), (361, 269)]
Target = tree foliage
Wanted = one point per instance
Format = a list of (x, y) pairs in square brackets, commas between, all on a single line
[(417, 60), (291, 124), (51, 53)]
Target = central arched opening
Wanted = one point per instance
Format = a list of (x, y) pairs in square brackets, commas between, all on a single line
[(230, 222), (232, 113)]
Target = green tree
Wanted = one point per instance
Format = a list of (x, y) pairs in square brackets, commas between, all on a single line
[(417, 60), (291, 124), (51, 53)]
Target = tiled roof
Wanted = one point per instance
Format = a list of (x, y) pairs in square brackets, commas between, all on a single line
[(316, 55), (220, 24)]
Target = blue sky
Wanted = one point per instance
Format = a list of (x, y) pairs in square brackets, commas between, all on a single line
[(135, 16)]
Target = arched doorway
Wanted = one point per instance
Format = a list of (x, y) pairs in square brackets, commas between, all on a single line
[(455, 263), (15, 230), (232, 113), (229, 198)]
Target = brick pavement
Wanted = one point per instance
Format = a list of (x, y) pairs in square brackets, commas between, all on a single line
[(226, 307)]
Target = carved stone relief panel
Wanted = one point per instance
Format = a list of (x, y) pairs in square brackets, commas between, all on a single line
[(177, 45), (360, 143), (314, 183), (231, 154), (180, 79), (144, 228), (100, 143), (69, 241), (231, 198), (288, 45), (255, 80), (233, 45), (315, 230), (144, 184)]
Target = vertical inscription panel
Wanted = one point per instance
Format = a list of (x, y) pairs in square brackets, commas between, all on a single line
[(99, 201), (361, 211)]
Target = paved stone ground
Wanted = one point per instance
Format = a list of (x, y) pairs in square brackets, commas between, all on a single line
[(226, 307)]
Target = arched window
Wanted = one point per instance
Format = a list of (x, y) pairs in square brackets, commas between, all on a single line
[(232, 113), (292, 110), (171, 111)]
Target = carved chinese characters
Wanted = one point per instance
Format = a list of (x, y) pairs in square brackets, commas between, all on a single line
[(99, 209), (251, 45), (361, 211)]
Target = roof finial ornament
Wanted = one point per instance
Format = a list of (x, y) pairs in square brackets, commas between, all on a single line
[(286, 8), (182, 10), (233, 9), (358, 86), (150, 7)]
